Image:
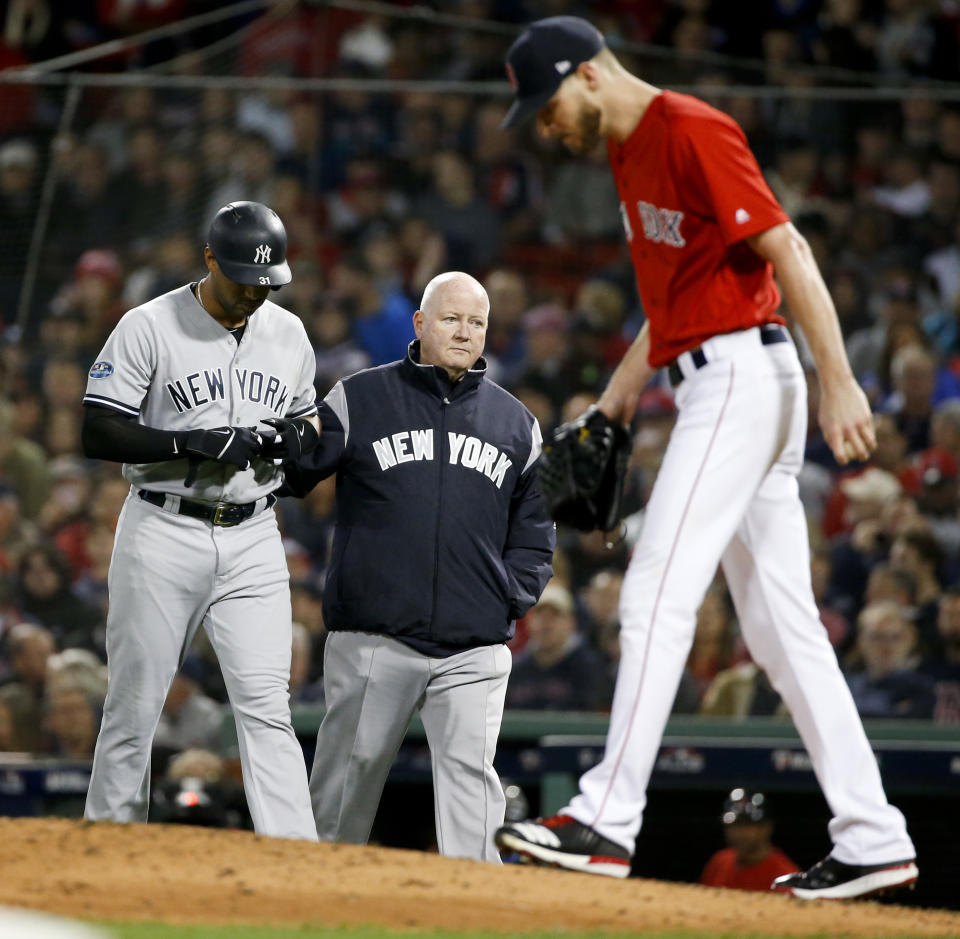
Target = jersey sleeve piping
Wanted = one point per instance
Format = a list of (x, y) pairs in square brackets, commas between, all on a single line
[(112, 404), (308, 411), (536, 444)]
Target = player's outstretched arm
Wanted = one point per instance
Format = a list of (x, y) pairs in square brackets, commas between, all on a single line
[(619, 399), (845, 416)]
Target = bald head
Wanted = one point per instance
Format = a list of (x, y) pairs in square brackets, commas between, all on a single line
[(453, 285), (451, 323)]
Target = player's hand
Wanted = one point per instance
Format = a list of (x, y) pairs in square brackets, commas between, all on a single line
[(236, 446), (846, 422), (291, 440)]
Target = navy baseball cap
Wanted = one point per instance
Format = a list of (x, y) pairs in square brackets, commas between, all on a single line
[(542, 56)]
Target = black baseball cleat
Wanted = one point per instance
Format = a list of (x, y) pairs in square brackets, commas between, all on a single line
[(562, 841), (829, 879)]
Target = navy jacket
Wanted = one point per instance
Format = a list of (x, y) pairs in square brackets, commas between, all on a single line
[(442, 539)]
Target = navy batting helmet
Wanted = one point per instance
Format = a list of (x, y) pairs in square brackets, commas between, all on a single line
[(745, 806), (250, 244)]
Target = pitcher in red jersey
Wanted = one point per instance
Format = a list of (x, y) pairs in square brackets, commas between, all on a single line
[(706, 237)]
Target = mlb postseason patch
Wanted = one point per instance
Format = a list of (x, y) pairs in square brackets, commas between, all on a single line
[(101, 370)]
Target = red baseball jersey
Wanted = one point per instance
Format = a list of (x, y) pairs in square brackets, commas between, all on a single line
[(690, 193), (722, 870)]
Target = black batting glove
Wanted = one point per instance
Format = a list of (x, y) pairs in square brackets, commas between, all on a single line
[(236, 446), (291, 441)]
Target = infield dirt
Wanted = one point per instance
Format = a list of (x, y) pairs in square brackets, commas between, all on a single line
[(179, 874)]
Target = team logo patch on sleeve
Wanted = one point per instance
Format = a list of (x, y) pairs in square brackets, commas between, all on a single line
[(101, 370)]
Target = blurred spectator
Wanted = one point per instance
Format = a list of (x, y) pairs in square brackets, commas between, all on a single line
[(72, 720), (888, 584), (508, 179), (28, 649), (302, 690), (23, 466), (932, 480), (46, 596), (943, 665), (913, 373), (424, 254), (853, 554), (174, 260), (189, 717), (382, 319), (310, 521), (70, 491), (78, 668), (917, 551), (906, 192), (945, 427), (886, 683), (582, 202), (182, 208), (245, 175), (742, 690), (821, 577), (16, 534), (547, 352), (714, 638), (557, 670), (94, 295), (454, 208), (846, 38), (18, 191), (139, 186), (505, 349), (750, 861), (88, 213)]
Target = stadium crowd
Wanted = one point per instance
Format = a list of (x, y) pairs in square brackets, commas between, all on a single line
[(379, 192)]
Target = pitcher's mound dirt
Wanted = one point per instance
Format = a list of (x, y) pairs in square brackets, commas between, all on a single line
[(179, 874)]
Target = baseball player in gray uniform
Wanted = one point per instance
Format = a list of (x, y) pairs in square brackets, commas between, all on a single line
[(202, 393)]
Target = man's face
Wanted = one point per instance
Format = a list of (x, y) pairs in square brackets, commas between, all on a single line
[(885, 645), (236, 300), (748, 839), (550, 628), (571, 119), (453, 330), (30, 659)]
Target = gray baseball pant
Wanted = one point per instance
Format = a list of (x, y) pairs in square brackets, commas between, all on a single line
[(373, 686), (168, 574)]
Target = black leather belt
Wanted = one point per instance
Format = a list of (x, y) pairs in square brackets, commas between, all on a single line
[(769, 334), (224, 514)]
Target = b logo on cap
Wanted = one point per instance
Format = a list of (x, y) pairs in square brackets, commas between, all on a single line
[(512, 76), (263, 255)]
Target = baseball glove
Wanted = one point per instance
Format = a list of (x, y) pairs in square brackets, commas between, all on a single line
[(582, 469)]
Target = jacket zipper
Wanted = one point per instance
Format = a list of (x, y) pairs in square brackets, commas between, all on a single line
[(436, 538)]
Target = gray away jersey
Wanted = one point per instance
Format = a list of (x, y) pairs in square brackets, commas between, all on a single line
[(169, 364)]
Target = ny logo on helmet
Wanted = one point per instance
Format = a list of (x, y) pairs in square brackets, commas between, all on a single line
[(263, 255)]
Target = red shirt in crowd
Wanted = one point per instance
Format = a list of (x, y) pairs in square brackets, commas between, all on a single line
[(690, 193), (722, 870)]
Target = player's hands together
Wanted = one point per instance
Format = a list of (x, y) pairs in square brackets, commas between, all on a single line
[(292, 439), (847, 422), (236, 446)]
